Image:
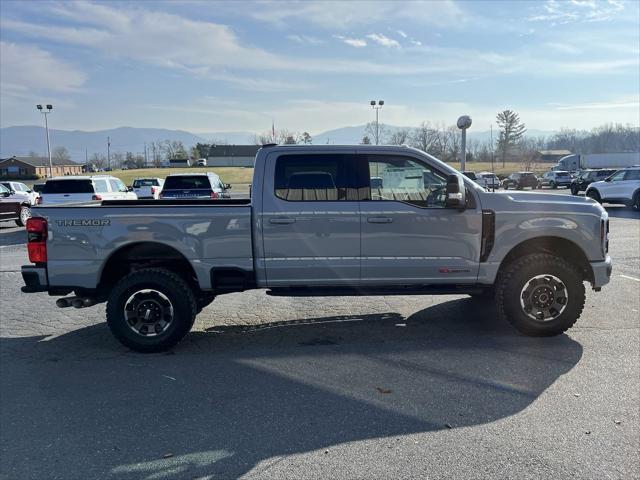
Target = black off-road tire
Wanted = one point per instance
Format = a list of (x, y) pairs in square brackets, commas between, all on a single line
[(574, 190), (169, 284), (204, 300), (486, 294), (517, 274), (594, 195)]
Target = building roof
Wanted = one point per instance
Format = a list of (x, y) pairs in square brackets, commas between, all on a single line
[(555, 152), (234, 150), (41, 161)]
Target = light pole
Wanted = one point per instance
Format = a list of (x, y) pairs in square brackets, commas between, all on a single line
[(46, 125), (377, 106), (464, 122)]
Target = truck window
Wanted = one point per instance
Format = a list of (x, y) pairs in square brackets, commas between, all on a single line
[(310, 178), (146, 182), (632, 175), (68, 186), (407, 180)]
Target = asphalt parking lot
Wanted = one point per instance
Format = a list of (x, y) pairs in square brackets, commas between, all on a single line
[(371, 387)]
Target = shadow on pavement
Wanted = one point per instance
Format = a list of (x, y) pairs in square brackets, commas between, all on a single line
[(620, 211), (80, 406), (12, 235)]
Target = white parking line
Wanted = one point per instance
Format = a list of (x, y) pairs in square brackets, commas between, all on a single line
[(630, 278)]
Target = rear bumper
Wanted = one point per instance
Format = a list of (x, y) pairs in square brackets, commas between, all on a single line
[(35, 279), (601, 272)]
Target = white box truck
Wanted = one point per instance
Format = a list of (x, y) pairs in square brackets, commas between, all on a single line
[(580, 161)]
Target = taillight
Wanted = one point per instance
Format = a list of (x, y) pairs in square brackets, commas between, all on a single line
[(37, 239), (214, 194), (96, 197)]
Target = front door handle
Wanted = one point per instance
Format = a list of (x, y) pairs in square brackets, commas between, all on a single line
[(282, 220), (379, 219)]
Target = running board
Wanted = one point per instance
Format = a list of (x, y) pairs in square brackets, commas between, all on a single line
[(376, 291)]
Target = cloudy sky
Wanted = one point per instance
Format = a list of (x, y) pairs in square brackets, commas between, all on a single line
[(230, 66)]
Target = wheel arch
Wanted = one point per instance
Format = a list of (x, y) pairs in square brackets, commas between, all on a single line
[(557, 246), (145, 254)]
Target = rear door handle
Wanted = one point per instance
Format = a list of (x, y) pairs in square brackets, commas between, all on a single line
[(282, 220), (379, 219)]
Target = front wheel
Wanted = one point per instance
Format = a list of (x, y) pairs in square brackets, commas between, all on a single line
[(151, 310), (636, 201), (540, 294), (553, 185), (25, 214), (574, 190), (594, 195)]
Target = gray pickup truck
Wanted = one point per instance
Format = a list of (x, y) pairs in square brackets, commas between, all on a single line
[(323, 221)]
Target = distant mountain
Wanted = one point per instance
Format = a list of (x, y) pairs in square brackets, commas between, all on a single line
[(21, 140)]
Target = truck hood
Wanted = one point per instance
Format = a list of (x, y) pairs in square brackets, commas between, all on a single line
[(541, 201)]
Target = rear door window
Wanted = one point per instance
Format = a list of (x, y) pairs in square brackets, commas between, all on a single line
[(309, 178), (101, 186), (68, 186), (187, 182), (632, 175)]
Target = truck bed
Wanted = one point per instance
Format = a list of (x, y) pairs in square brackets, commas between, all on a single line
[(210, 234)]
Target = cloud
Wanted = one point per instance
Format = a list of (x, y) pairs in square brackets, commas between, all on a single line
[(402, 34), (354, 42), (383, 40), (563, 12), (562, 47), (305, 39), (345, 15), (631, 101), (26, 68)]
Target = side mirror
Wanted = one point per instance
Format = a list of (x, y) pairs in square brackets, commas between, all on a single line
[(455, 192), (6, 194), (227, 186), (129, 188)]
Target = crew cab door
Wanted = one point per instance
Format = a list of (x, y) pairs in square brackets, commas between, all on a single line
[(311, 219), (408, 236)]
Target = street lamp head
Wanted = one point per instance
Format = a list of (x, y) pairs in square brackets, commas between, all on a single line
[(380, 102), (49, 107), (373, 102), (464, 122), (39, 107)]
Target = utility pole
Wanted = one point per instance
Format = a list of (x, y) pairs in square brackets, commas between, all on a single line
[(492, 170), (86, 160), (377, 106), (109, 153), (46, 125), (146, 161)]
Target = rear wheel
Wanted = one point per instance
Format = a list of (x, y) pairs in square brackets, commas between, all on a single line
[(151, 310), (25, 214), (540, 294), (594, 195), (553, 185), (574, 189), (636, 200)]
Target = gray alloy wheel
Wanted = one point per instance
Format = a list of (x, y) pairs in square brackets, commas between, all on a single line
[(25, 214), (544, 297), (148, 312)]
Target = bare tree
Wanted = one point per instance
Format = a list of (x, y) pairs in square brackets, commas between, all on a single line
[(98, 161), (378, 135), (117, 160), (60, 155), (399, 137), (425, 138), (365, 140)]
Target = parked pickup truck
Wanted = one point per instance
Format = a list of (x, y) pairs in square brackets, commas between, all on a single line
[(315, 226)]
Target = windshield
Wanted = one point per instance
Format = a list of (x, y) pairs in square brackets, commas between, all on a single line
[(145, 183)]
